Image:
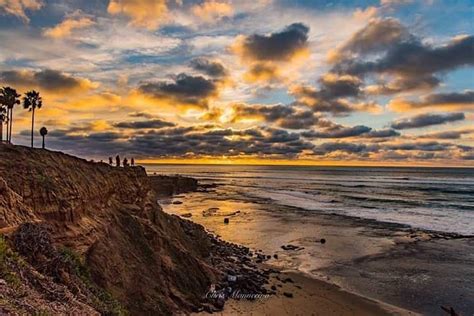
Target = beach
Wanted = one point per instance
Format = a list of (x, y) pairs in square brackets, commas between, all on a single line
[(427, 268)]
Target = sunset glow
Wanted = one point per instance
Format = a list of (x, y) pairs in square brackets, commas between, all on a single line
[(246, 82)]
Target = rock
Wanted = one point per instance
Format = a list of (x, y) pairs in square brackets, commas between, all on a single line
[(273, 288), (323, 241), (291, 247), (177, 202), (187, 215), (288, 294), (275, 256), (226, 221)]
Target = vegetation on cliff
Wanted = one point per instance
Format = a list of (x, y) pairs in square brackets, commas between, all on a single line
[(100, 235)]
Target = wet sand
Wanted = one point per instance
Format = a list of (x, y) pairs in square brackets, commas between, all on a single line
[(309, 297), (355, 257)]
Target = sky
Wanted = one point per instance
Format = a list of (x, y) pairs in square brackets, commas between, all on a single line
[(381, 82)]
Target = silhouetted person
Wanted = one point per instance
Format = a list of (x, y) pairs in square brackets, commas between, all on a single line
[(111, 162), (132, 162), (125, 162), (117, 160)]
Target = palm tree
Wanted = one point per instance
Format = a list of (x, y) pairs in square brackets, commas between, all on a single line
[(3, 118), (43, 133), (9, 98), (31, 101)]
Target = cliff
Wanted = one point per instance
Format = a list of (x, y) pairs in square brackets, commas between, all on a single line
[(167, 186), (96, 235)]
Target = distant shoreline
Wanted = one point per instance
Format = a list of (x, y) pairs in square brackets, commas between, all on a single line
[(305, 166)]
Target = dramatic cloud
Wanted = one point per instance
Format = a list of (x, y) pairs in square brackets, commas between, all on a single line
[(416, 59), (377, 35), (150, 124), (72, 22), (209, 67), (331, 99), (50, 80), (280, 46), (424, 120), (268, 54), (188, 142), (187, 90), (18, 7), (448, 134), (383, 133), (338, 131), (385, 46), (281, 115), (454, 100), (351, 148)]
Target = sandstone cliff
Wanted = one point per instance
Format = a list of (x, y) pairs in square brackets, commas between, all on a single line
[(106, 240)]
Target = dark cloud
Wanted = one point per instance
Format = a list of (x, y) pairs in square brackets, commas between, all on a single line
[(385, 46), (329, 99), (154, 123), (404, 84), (338, 131), (448, 134), (211, 68), (383, 133), (142, 114), (456, 100), (466, 97), (182, 142), (414, 59), (377, 35), (424, 120), (276, 46), (351, 148), (332, 87), (193, 90), (423, 146), (282, 115), (47, 79)]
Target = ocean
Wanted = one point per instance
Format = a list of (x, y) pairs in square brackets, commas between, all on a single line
[(371, 218), (439, 199)]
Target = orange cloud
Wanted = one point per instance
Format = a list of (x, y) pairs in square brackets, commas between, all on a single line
[(142, 13), (263, 72), (69, 24), (212, 10), (18, 7)]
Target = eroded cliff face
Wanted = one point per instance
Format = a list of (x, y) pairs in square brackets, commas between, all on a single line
[(150, 262)]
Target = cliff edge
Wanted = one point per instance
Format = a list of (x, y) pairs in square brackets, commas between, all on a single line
[(96, 238)]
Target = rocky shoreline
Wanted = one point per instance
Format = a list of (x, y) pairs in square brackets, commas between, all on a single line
[(104, 245)]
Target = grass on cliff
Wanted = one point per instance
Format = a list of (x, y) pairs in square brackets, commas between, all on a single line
[(103, 301), (7, 254)]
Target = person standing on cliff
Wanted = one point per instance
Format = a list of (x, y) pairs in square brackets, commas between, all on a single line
[(117, 160), (111, 162), (125, 162), (132, 162)]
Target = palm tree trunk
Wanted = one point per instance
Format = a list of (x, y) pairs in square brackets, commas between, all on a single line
[(43, 141), (11, 124), (1, 131), (32, 125), (6, 125)]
